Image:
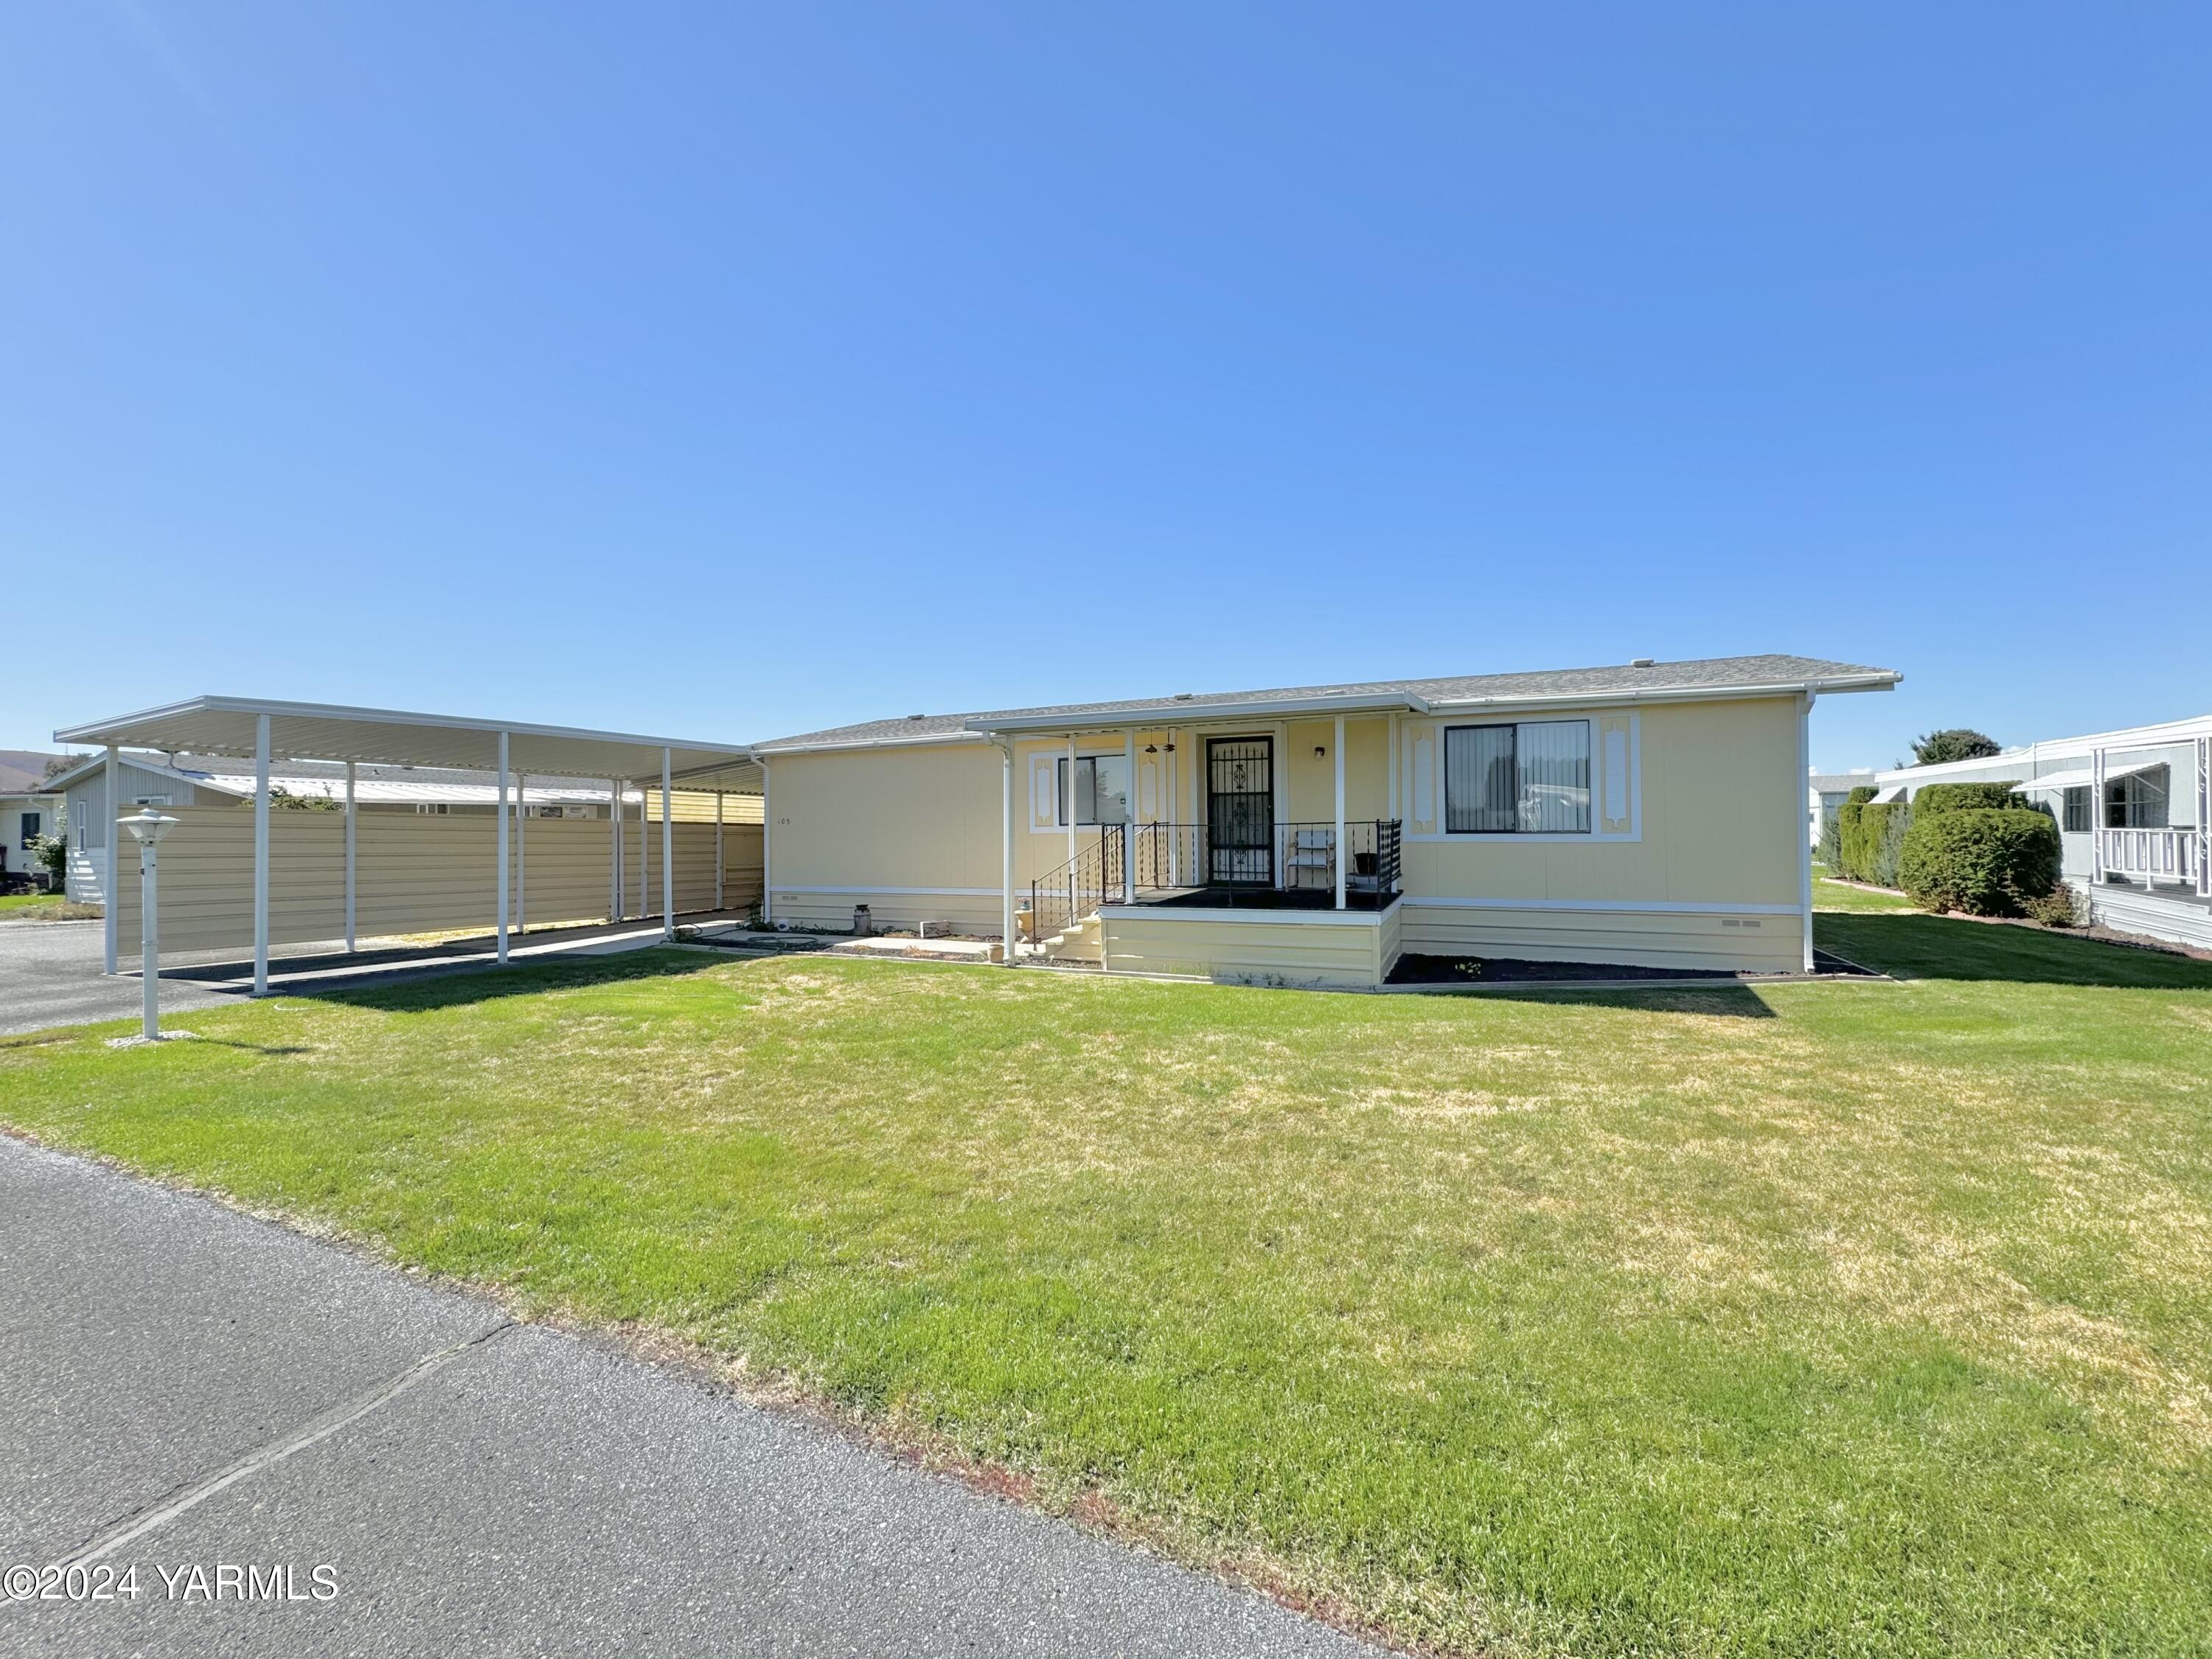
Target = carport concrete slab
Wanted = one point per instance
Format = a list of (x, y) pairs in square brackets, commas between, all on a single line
[(538, 1493)]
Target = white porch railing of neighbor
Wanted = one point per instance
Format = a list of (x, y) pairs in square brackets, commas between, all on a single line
[(2152, 854)]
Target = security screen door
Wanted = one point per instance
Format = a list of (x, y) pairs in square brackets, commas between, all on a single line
[(1240, 811)]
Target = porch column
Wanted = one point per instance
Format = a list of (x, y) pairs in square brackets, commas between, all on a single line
[(353, 819), (718, 847), (1336, 855), (1173, 798), (1805, 842), (2096, 819), (261, 855), (767, 832), (111, 885), (1007, 846), (499, 812), (644, 860), (667, 849), (1391, 733), (1067, 806), (2205, 817), (1128, 817)]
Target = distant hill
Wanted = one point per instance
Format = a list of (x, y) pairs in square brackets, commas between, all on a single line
[(22, 770)]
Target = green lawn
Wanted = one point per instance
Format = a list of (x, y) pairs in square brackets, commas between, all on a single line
[(1822, 1319), (16, 906), (1829, 895)]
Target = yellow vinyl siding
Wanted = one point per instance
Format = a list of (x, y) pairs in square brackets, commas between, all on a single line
[(1322, 950)]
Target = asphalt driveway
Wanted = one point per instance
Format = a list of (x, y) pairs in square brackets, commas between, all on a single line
[(388, 1467), (50, 976)]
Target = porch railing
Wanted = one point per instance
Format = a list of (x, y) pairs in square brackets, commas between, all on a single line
[(1298, 857), (1092, 877), (2151, 855)]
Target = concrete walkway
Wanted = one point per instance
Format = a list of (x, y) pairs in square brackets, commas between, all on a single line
[(187, 1388)]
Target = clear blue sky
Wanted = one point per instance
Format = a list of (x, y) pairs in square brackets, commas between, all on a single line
[(725, 370)]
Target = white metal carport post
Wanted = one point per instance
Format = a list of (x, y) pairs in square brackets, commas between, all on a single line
[(667, 852), (614, 850), (1337, 846), (499, 812), (111, 783), (261, 855), (522, 852), (718, 847), (352, 820)]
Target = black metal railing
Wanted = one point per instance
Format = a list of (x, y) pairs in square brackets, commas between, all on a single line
[(1093, 877), (1249, 868)]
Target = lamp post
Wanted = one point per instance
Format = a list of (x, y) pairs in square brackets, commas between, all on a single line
[(147, 829)]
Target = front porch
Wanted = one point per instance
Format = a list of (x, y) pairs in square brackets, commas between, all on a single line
[(1181, 875)]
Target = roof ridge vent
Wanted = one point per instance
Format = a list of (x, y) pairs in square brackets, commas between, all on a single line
[(1641, 662)]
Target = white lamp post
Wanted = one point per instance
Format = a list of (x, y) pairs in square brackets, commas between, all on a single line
[(147, 829)]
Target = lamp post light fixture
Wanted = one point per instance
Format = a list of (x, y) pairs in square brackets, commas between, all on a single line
[(146, 829)]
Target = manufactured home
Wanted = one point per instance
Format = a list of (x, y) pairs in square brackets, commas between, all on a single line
[(2134, 809), (1650, 815)]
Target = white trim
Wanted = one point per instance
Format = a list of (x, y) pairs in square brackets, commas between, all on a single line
[(1804, 846), (903, 892), (768, 830), (1638, 907), (1268, 916)]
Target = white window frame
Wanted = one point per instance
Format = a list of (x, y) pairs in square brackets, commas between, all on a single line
[(1063, 788)]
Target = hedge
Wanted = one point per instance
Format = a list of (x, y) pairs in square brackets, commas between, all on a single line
[(1935, 797), (1986, 861), (1883, 830), (1850, 833)]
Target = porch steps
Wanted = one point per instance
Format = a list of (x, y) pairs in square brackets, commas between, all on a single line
[(1081, 943)]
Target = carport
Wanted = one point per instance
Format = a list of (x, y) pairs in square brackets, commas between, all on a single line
[(321, 883)]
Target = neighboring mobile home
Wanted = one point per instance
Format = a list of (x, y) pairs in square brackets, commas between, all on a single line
[(2134, 814), (1651, 815)]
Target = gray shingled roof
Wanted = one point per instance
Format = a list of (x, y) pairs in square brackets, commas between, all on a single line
[(1707, 674)]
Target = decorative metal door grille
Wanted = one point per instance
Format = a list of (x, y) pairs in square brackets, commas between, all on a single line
[(1240, 811)]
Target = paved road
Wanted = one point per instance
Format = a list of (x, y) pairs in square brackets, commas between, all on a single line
[(50, 976), (473, 1486)]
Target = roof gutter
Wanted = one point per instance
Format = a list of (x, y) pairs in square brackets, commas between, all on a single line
[(1182, 713)]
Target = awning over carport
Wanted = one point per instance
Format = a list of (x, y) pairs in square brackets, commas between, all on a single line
[(307, 730), (261, 729)]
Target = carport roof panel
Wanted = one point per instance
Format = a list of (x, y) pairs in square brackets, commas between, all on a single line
[(225, 726)]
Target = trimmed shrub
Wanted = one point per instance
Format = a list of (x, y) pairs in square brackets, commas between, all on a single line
[(1935, 798), (1832, 843), (1984, 861), (1884, 828), (1851, 839)]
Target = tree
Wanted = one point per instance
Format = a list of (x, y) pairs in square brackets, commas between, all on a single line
[(56, 765), (1956, 743)]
